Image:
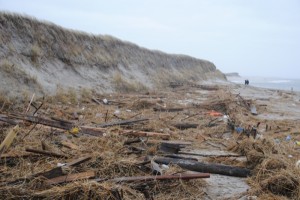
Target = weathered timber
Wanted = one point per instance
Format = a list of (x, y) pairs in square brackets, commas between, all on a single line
[(172, 146), (44, 121), (70, 178), (9, 121), (70, 145), (55, 172), (183, 126), (145, 134), (61, 120), (209, 155), (179, 157), (48, 153), (96, 100), (161, 177), (96, 131), (122, 122), (206, 167), (9, 139), (133, 140), (161, 109)]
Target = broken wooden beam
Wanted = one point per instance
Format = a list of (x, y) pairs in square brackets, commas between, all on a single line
[(70, 178), (58, 171), (145, 134), (8, 121), (54, 172), (209, 155), (44, 121), (161, 109), (48, 153), (122, 122), (205, 167), (172, 146), (183, 126), (9, 139), (70, 145), (161, 177)]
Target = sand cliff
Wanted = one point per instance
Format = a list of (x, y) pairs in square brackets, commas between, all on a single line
[(41, 57)]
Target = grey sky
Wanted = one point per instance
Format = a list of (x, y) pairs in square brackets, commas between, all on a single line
[(252, 37)]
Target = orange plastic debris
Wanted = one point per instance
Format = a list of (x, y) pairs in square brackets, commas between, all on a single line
[(215, 114)]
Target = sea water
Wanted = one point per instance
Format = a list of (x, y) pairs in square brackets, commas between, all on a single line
[(272, 83)]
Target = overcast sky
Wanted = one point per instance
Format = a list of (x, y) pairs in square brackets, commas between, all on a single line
[(252, 37)]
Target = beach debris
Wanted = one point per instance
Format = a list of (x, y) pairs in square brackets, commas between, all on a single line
[(105, 101), (214, 113), (161, 109), (70, 178), (298, 164), (122, 122), (206, 167), (48, 153), (253, 109), (157, 178), (183, 126), (9, 139), (173, 146)]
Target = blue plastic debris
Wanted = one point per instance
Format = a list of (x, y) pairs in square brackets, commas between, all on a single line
[(239, 129)]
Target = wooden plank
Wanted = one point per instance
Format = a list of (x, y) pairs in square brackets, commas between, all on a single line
[(122, 122), (160, 109), (9, 139), (145, 134), (183, 126), (70, 178), (70, 145), (159, 178), (48, 153)]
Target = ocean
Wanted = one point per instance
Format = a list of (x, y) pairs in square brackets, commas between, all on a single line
[(272, 83)]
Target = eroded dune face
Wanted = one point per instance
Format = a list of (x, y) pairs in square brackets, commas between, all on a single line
[(41, 57)]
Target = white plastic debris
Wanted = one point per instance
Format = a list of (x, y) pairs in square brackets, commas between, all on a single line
[(164, 167), (105, 101), (117, 112), (298, 164), (61, 164)]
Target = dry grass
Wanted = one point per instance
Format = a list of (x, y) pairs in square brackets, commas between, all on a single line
[(273, 172), (123, 85), (77, 49)]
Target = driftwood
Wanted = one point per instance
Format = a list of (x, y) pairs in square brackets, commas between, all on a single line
[(96, 131), (145, 134), (209, 155), (70, 145), (55, 172), (9, 139), (71, 177), (205, 167), (172, 146), (48, 153), (153, 178), (122, 122), (160, 109), (183, 126), (9, 121)]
